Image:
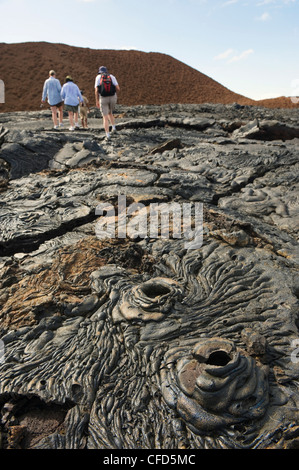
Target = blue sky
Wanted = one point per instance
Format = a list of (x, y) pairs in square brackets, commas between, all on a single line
[(251, 47)]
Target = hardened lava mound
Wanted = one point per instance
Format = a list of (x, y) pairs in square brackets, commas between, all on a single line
[(214, 385)]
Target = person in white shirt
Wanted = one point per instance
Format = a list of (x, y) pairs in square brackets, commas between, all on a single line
[(106, 103)]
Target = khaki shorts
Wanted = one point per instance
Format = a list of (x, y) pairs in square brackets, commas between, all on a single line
[(108, 104), (83, 112), (73, 109)]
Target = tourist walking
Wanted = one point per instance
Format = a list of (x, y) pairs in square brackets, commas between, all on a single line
[(52, 92), (106, 87), (72, 97)]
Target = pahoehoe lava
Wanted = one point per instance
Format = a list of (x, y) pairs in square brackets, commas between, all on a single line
[(139, 342)]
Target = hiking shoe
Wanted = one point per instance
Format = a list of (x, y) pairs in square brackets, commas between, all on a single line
[(61, 124), (71, 128), (56, 127), (113, 131)]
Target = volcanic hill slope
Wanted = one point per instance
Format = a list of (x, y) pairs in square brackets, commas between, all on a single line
[(157, 78)]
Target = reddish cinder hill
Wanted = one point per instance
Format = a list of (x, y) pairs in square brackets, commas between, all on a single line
[(144, 78)]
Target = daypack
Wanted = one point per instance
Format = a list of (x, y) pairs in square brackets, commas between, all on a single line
[(106, 87)]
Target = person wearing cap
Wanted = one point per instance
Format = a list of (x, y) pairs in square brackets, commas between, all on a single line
[(106, 103), (52, 92), (72, 97)]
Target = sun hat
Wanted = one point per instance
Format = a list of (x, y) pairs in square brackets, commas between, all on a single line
[(69, 78)]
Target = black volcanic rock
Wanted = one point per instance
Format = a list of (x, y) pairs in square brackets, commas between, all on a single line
[(267, 130), (142, 340)]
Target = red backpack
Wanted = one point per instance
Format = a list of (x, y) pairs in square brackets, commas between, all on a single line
[(106, 87)]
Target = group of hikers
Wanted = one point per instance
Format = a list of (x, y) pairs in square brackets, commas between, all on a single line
[(71, 99)]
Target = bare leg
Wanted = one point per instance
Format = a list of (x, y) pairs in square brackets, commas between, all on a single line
[(106, 124), (71, 118), (111, 119), (54, 115), (60, 111)]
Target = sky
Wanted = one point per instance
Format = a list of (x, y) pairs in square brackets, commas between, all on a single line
[(251, 47)]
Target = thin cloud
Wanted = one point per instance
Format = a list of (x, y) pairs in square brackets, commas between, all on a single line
[(229, 2), (235, 58), (264, 17), (224, 55), (266, 2), (278, 3), (242, 56)]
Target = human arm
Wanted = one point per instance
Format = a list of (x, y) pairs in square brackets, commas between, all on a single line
[(115, 83), (96, 93), (97, 99), (62, 93), (45, 92)]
